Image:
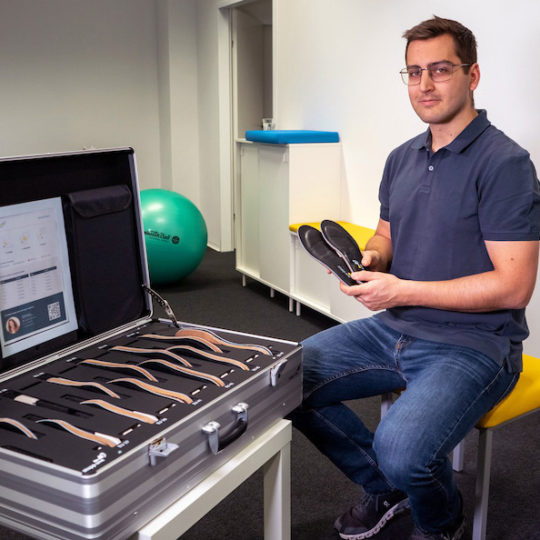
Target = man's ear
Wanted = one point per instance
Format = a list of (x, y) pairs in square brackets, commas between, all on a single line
[(474, 74)]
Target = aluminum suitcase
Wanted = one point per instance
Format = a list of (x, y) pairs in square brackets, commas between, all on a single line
[(109, 413)]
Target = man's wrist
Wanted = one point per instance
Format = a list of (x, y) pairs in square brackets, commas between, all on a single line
[(406, 292)]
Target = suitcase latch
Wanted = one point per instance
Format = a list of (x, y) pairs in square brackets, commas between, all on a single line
[(275, 372), (160, 448)]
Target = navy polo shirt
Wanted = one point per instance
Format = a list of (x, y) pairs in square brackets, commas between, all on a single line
[(442, 207)]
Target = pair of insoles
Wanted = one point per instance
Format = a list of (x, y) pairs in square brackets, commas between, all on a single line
[(334, 248)]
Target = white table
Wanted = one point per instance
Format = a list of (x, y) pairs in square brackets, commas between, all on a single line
[(271, 450)]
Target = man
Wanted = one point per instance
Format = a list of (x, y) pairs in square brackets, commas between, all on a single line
[(452, 265)]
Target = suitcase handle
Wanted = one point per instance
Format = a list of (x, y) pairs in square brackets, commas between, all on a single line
[(220, 439)]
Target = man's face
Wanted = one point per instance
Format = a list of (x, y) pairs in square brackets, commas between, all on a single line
[(441, 102)]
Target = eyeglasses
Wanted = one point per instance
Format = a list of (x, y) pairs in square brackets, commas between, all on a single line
[(438, 72)]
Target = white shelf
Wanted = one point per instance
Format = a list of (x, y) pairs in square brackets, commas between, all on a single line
[(280, 185)]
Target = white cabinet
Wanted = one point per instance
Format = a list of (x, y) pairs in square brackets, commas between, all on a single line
[(279, 185)]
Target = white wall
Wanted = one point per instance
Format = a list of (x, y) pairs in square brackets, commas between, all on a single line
[(104, 73), (214, 139), (179, 96), (338, 64), (78, 73)]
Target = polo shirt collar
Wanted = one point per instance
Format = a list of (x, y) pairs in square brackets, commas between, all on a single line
[(466, 137)]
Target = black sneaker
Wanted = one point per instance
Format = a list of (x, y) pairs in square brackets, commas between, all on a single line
[(343, 243), (456, 532), (313, 242), (367, 518)]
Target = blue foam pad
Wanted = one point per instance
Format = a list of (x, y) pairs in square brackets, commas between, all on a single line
[(292, 136)]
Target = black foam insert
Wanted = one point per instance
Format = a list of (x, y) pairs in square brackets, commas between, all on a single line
[(64, 402)]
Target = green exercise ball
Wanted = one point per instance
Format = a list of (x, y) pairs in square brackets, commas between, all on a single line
[(175, 235)]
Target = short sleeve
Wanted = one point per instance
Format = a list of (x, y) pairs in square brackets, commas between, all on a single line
[(384, 192), (509, 200)]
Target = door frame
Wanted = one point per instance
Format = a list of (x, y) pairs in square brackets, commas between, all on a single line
[(228, 146)]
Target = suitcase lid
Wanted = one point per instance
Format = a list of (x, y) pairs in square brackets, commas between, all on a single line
[(72, 255)]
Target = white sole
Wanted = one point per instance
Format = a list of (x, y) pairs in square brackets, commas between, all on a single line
[(392, 512)]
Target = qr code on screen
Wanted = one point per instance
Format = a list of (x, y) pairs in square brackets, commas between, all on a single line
[(54, 311)]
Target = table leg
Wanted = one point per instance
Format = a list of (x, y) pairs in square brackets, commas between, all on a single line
[(277, 495)]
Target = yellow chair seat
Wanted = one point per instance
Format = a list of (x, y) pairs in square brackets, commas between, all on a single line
[(359, 233), (524, 398)]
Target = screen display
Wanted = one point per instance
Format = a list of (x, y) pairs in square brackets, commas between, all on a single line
[(36, 294)]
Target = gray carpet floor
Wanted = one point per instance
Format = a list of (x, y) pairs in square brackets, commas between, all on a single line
[(213, 295)]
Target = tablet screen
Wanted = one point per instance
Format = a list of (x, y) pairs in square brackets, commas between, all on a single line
[(36, 294)]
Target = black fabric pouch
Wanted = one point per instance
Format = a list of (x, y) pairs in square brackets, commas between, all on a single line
[(105, 258)]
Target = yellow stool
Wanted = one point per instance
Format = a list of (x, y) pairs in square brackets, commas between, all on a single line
[(523, 400)]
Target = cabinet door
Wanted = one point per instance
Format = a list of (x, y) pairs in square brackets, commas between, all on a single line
[(274, 216), (309, 280)]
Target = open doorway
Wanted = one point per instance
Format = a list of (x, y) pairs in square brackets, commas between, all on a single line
[(246, 93), (252, 85), (251, 65)]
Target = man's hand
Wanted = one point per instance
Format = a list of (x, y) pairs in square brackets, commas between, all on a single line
[(508, 286), (378, 291), (372, 260), (377, 254)]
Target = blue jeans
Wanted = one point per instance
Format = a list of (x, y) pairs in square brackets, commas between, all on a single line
[(448, 389)]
